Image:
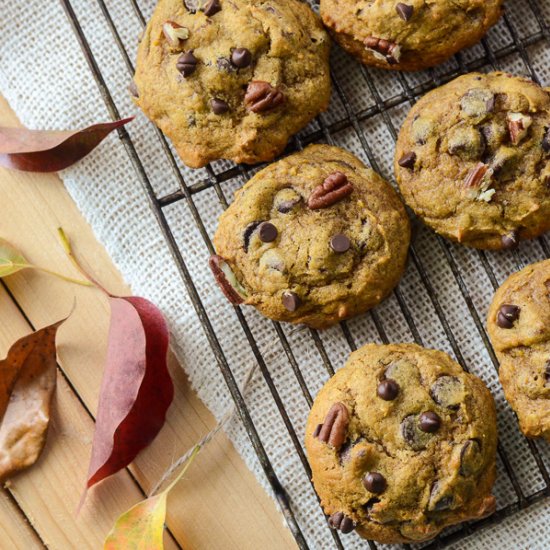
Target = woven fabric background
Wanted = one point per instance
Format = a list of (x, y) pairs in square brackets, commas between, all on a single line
[(44, 76)]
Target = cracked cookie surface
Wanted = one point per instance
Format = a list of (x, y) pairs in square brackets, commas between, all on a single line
[(232, 79), (402, 443), (519, 327), (473, 160), (313, 238), (410, 35)]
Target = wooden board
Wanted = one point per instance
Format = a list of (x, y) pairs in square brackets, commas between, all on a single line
[(219, 504)]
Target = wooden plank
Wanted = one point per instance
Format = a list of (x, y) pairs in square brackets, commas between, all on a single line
[(15, 531), (218, 488)]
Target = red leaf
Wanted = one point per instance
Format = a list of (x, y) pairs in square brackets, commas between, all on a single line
[(136, 389), (51, 151)]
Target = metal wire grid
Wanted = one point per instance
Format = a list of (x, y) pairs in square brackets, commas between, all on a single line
[(352, 120)]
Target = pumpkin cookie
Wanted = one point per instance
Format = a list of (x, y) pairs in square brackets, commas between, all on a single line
[(410, 35), (473, 160), (232, 79), (402, 443), (519, 327), (313, 238)]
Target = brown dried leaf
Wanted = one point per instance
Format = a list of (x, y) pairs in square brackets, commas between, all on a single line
[(50, 151), (27, 383)]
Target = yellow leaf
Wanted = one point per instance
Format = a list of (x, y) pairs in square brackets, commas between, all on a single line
[(11, 259), (142, 526)]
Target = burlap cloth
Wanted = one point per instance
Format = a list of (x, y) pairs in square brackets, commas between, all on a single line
[(44, 76)]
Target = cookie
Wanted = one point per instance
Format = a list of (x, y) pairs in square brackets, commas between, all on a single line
[(314, 238), (232, 79), (402, 443), (473, 160), (519, 328), (411, 35)]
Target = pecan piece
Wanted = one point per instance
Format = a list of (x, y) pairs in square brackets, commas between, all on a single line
[(333, 189), (518, 125), (174, 33), (476, 175), (335, 426), (226, 280), (384, 49), (262, 96)]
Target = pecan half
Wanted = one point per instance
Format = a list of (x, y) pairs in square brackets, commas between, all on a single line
[(518, 125), (226, 280), (262, 96), (335, 426), (333, 189), (384, 49), (476, 175)]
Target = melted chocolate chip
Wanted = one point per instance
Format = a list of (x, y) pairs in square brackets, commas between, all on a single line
[(241, 57), (507, 315), (411, 434), (547, 372), (510, 241), (375, 483), (546, 140), (448, 391), (369, 505), (267, 232), (218, 106), (225, 65), (470, 457), (439, 502), (404, 11), (340, 243), (388, 389), (429, 422), (408, 160), (250, 228), (291, 301), (286, 206), (212, 7)]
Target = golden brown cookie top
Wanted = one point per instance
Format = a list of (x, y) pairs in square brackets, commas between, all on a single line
[(313, 238), (232, 79), (519, 327), (409, 35), (473, 160), (402, 443)]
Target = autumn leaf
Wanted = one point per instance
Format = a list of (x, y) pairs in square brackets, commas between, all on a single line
[(51, 151), (142, 527), (136, 389), (11, 259), (27, 383)]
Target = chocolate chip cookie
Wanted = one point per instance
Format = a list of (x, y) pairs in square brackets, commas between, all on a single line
[(232, 79), (410, 35), (402, 443), (473, 160), (313, 238), (519, 327)]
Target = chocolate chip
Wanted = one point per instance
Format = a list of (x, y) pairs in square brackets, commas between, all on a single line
[(187, 63), (340, 243), (341, 522), (317, 430), (507, 315), (212, 7), (218, 106), (249, 229), (241, 57), (470, 457), (267, 232), (510, 241), (478, 102), (375, 483), (132, 88), (388, 389), (287, 206), (367, 507), (547, 372), (291, 301), (262, 96), (439, 502), (335, 187), (429, 422), (546, 140), (335, 426), (404, 11), (408, 160), (416, 439), (448, 391)]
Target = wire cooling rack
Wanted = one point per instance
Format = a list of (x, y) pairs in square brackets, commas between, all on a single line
[(487, 57)]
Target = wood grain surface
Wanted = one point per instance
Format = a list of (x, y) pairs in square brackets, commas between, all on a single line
[(218, 505)]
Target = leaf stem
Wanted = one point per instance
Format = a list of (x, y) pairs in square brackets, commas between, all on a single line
[(59, 275), (196, 451), (66, 243)]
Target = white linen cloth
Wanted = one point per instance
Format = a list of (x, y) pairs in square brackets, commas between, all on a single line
[(45, 78)]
